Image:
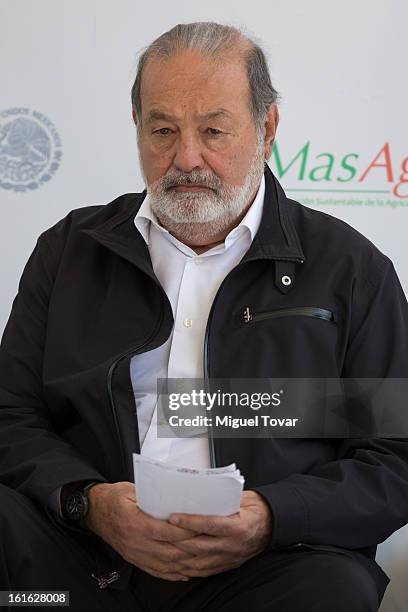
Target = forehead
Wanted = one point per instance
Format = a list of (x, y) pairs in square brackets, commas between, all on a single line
[(189, 82)]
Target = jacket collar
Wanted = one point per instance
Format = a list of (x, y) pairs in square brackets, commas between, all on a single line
[(276, 237)]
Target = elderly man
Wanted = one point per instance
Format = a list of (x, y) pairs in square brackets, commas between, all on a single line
[(169, 283)]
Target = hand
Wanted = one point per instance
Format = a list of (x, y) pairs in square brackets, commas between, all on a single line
[(140, 539), (227, 542)]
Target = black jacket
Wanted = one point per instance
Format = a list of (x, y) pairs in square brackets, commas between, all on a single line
[(88, 300)]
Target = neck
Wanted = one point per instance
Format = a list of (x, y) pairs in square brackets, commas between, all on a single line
[(205, 247)]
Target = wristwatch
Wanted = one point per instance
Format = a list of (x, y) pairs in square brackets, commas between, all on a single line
[(75, 503)]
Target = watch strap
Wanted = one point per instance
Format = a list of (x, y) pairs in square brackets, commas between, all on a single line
[(84, 490)]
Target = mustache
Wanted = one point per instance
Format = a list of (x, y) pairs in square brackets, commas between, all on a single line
[(170, 181)]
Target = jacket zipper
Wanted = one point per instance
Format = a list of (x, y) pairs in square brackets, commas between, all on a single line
[(213, 458), (307, 311), (110, 376)]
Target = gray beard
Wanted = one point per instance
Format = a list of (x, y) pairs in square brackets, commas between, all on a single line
[(203, 214)]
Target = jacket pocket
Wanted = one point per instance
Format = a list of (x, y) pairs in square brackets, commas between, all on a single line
[(249, 316)]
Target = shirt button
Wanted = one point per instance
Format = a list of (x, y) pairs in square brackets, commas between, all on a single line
[(286, 280), (198, 260), (187, 322)]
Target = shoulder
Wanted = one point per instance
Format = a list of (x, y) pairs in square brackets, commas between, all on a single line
[(324, 236), (92, 217)]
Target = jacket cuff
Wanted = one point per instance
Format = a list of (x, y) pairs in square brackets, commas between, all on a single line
[(53, 506), (290, 515), (54, 501)]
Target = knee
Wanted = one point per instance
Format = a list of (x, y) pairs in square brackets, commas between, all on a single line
[(343, 582)]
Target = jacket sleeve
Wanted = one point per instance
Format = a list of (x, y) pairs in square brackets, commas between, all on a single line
[(34, 459), (360, 498)]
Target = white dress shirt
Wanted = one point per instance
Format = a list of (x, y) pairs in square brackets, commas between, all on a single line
[(191, 282)]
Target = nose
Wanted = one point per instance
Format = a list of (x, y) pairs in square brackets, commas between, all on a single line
[(188, 154)]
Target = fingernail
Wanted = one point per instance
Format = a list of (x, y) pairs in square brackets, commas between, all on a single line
[(175, 520)]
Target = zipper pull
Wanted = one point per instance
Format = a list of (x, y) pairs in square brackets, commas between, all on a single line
[(247, 315), (103, 581)]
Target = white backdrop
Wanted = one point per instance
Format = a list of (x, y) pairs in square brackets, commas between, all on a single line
[(67, 67)]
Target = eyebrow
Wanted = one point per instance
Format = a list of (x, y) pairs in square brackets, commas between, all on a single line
[(155, 115)]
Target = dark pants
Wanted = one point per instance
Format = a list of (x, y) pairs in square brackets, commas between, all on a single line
[(39, 554)]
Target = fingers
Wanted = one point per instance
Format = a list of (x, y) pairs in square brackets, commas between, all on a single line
[(162, 531), (204, 545), (203, 573), (173, 577), (211, 525), (163, 553), (209, 562), (208, 566), (161, 563)]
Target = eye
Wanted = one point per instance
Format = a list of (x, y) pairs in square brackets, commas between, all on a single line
[(161, 130), (214, 132)]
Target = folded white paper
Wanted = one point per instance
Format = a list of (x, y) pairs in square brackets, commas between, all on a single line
[(163, 489)]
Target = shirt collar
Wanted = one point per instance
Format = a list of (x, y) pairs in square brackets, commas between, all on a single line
[(145, 217)]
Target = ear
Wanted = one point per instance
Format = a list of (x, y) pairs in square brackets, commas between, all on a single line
[(271, 125), (134, 117)]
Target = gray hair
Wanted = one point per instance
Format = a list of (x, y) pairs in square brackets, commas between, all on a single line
[(213, 40)]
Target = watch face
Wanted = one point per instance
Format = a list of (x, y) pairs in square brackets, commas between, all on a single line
[(76, 506)]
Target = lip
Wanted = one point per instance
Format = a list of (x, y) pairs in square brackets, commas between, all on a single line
[(190, 188)]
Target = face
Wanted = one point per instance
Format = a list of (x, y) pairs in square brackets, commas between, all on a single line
[(201, 157)]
